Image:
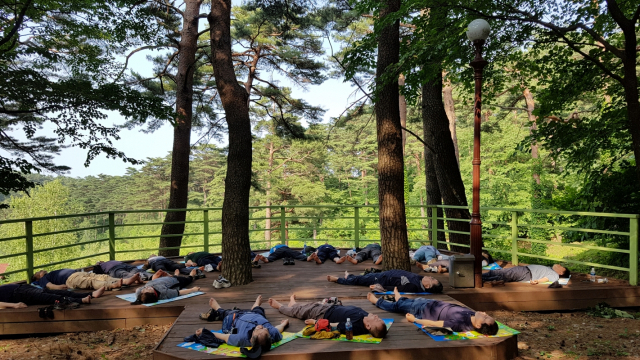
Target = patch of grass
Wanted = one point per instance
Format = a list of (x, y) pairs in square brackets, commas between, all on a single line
[(603, 310), (551, 327)]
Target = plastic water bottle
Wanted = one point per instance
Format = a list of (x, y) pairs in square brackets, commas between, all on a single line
[(304, 249), (348, 327), (593, 274)]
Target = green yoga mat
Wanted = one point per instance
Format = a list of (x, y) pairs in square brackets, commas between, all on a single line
[(367, 339), (233, 351)]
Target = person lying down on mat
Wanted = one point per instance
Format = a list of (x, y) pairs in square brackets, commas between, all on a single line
[(362, 321), (242, 328), (535, 274), (164, 286), (18, 296), (387, 280), (429, 312)]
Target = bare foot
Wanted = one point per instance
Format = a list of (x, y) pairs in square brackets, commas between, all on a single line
[(86, 300), (352, 260), (274, 304), (310, 257), (317, 259), (420, 265), (192, 273), (332, 278), (258, 301), (396, 293), (377, 262), (117, 284), (264, 259), (177, 272), (98, 293), (219, 267), (346, 274), (292, 300), (201, 268), (134, 279), (214, 304), (442, 269), (372, 298), (341, 260)]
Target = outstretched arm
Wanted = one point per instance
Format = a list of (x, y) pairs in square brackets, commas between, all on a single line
[(412, 318), (188, 291), (541, 280), (223, 337), (282, 326), (7, 305)]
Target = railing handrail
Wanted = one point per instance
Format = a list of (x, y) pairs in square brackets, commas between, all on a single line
[(358, 229)]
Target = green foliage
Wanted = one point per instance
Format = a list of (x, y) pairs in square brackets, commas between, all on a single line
[(603, 310)]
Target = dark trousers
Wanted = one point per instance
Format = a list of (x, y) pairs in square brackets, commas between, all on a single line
[(371, 251), (32, 295), (228, 318), (183, 281), (212, 260), (404, 306), (327, 252), (285, 252), (169, 266), (127, 271), (514, 274), (360, 280)]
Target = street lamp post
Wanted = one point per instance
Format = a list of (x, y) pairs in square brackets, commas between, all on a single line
[(477, 31)]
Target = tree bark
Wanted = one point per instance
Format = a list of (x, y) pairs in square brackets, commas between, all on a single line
[(433, 195), (450, 109), (403, 113), (528, 98), (267, 224), (393, 222), (179, 189), (438, 137), (234, 98)]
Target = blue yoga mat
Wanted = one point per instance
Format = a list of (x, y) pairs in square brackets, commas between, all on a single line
[(132, 298)]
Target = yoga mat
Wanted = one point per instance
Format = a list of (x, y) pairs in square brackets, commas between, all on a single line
[(132, 298), (503, 331), (561, 281), (402, 293), (228, 350), (493, 266), (368, 339)]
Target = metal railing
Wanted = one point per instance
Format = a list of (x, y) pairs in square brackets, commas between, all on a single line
[(319, 224)]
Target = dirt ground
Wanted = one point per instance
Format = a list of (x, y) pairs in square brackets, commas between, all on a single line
[(567, 335)]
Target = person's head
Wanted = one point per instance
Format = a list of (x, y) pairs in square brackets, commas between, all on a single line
[(145, 265), (376, 326), (432, 284), (37, 276), (561, 270), (487, 257), (260, 342), (148, 295), (100, 262), (484, 324)]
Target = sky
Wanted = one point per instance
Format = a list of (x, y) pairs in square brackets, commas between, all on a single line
[(333, 95)]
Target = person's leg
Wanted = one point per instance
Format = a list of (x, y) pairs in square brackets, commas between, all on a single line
[(324, 254), (420, 254), (212, 260), (82, 280), (358, 280), (296, 255), (32, 295), (402, 306), (67, 293), (375, 255), (279, 253), (304, 311), (184, 281), (362, 255), (493, 275), (333, 254), (516, 273)]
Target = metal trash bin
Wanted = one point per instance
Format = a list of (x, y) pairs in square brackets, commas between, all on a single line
[(461, 271)]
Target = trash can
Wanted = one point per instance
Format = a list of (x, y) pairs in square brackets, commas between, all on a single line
[(461, 271)]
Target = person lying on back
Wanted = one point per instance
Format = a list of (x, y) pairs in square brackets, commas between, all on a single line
[(281, 252), (164, 287), (388, 280), (325, 252), (210, 261), (17, 296), (430, 312), (371, 251), (535, 274), (73, 279), (362, 321), (155, 263)]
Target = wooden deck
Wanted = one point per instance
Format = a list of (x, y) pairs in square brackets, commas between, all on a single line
[(308, 281)]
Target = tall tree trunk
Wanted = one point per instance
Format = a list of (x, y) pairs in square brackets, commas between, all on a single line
[(438, 137), (528, 98), (433, 193), (403, 113), (393, 219), (179, 189), (450, 109), (234, 98), (267, 224)]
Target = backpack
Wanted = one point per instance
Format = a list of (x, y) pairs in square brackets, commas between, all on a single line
[(323, 325)]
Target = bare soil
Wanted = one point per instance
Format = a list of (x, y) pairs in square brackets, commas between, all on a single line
[(564, 335)]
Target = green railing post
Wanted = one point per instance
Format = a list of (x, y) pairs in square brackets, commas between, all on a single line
[(283, 238), (514, 237), (112, 236), (356, 226), (434, 226), (205, 219), (633, 251), (28, 231)]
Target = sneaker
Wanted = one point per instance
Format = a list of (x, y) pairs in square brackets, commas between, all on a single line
[(255, 265), (208, 268), (221, 283)]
